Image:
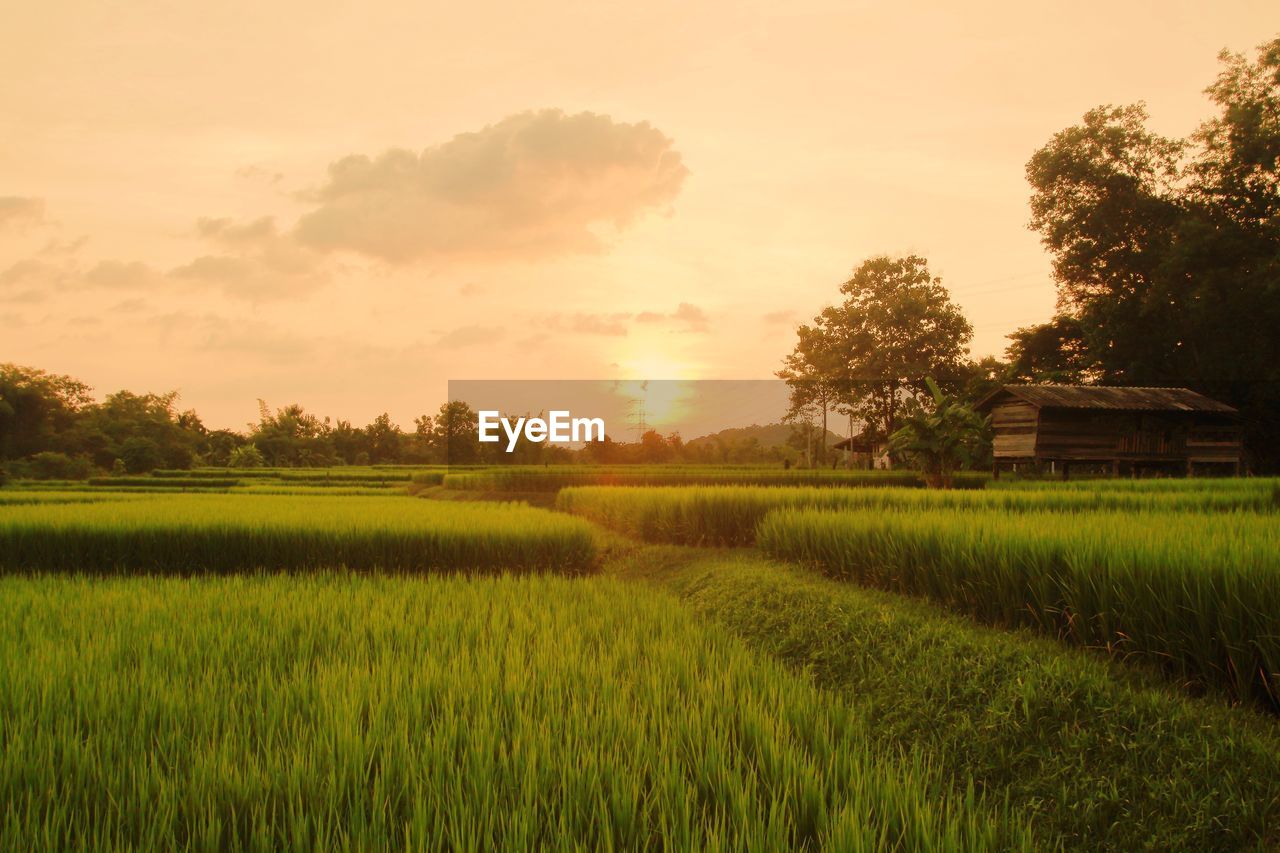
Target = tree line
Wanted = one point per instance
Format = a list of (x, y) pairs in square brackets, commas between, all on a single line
[(51, 427)]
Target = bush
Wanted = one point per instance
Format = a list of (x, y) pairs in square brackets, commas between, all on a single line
[(140, 455), (246, 456), (49, 465)]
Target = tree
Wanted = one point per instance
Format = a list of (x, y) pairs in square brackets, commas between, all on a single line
[(418, 445), (125, 416), (655, 448), (938, 442), (456, 434), (219, 445), (1105, 203), (292, 436), (384, 440), (1167, 252), (38, 410), (1050, 352), (246, 456), (896, 326), (140, 454), (813, 371)]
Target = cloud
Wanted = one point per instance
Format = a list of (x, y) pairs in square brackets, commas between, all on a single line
[(56, 248), (33, 271), (783, 317), (33, 280), (20, 210), (210, 332), (536, 184), (256, 262), (228, 232), (466, 336), (128, 306), (260, 173), (689, 316), (588, 324), (123, 275)]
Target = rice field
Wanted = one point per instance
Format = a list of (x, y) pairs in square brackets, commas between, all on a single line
[(729, 515), (263, 659), (554, 478), (349, 712), (1096, 755), (197, 533), (1198, 595)]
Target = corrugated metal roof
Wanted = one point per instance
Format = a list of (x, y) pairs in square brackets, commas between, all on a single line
[(859, 442), (1120, 399)]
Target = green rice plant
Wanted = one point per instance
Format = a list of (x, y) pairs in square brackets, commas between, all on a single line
[(163, 482), (1197, 595), (550, 479), (728, 515), (339, 712), (267, 487), (1179, 484), (193, 533), (336, 474), (18, 497), (1096, 755)]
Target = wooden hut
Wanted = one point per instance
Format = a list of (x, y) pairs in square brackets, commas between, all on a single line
[(864, 451), (1131, 430)]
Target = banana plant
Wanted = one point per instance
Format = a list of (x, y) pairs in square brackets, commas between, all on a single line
[(941, 441)]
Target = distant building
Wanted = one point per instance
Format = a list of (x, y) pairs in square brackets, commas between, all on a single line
[(864, 452), (1129, 430)]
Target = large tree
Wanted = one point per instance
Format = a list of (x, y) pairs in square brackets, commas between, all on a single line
[(1050, 352), (38, 411), (1167, 252), (895, 327)]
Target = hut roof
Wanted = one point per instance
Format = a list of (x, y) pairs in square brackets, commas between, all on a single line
[(1107, 397), (860, 443)]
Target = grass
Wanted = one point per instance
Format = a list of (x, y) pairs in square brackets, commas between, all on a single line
[(193, 533), (1094, 756), (333, 711), (1199, 595), (729, 515)]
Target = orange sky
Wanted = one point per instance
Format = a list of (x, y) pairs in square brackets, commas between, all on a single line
[(346, 205)]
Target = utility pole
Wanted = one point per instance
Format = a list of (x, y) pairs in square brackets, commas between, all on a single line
[(636, 416)]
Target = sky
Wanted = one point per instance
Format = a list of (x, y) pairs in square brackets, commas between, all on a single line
[(348, 205)]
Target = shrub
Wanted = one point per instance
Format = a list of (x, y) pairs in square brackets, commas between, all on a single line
[(246, 456), (49, 465), (140, 454)]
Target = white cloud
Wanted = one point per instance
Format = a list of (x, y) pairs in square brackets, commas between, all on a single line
[(533, 185)]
